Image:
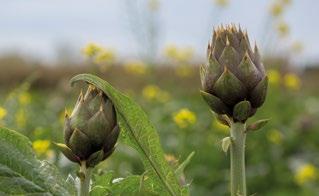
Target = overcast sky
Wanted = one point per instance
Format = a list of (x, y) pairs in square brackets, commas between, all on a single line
[(40, 27)]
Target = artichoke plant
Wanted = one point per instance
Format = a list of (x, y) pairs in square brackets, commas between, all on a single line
[(234, 85), (234, 81), (91, 131)]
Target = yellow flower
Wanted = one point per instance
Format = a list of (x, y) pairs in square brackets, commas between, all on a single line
[(274, 136), (91, 49), (150, 92), (276, 9), (24, 98), (273, 77), (220, 127), (222, 3), (41, 146), (306, 173), (171, 51), (104, 56), (283, 29), (136, 67), (153, 5), (20, 118), (184, 118), (154, 93), (292, 81), (3, 112)]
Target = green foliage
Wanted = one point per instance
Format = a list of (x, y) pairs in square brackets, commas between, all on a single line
[(22, 174), (271, 164), (133, 185), (138, 132)]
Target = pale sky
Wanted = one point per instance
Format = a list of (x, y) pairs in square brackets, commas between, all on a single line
[(39, 27)]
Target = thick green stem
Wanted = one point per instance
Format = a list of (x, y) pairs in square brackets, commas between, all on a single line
[(85, 177), (237, 159)]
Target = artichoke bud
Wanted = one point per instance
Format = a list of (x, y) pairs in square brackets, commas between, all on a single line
[(234, 82), (91, 131)]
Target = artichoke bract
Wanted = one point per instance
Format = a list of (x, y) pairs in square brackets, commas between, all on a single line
[(91, 131), (234, 82)]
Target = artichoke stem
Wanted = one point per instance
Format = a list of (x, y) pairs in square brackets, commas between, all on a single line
[(237, 159), (85, 179)]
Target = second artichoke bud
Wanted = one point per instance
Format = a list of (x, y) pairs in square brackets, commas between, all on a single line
[(234, 81), (91, 131)]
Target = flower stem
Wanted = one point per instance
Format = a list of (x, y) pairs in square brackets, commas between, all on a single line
[(85, 177), (237, 159)]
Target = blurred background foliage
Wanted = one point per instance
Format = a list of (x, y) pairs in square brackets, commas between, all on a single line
[(282, 158)]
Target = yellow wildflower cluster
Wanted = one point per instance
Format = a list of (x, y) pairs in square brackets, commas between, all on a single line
[(171, 51), (104, 56), (184, 118), (273, 77), (41, 146), (283, 29), (179, 55), (218, 126), (154, 93), (275, 136), (290, 80), (99, 55), (306, 173), (136, 67), (276, 11), (3, 112), (277, 8), (91, 49)]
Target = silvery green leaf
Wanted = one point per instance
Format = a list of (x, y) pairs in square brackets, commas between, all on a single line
[(22, 174)]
